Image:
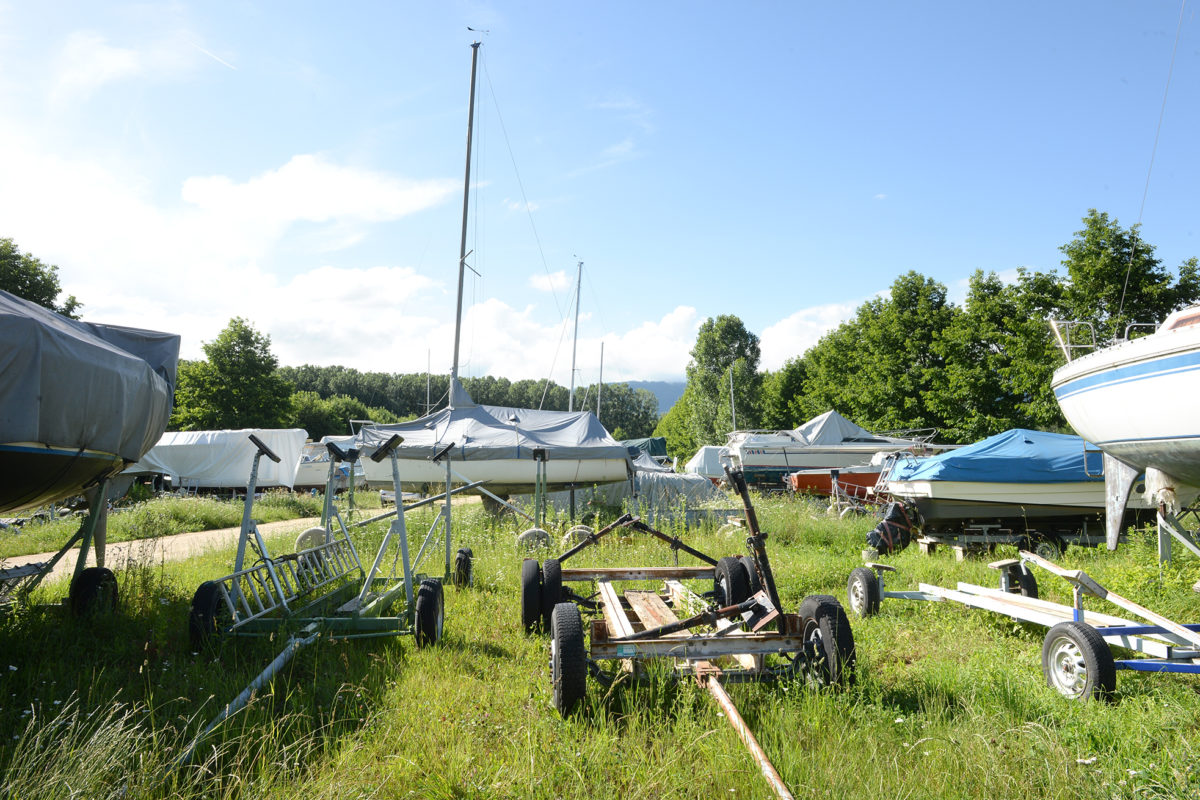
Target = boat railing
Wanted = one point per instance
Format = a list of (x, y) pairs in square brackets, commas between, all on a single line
[(1131, 327), (1069, 335)]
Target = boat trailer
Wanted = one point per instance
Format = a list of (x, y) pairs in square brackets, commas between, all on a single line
[(735, 632), (1078, 658), (323, 589)]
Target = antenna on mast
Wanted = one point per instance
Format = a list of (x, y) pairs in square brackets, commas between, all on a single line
[(462, 248)]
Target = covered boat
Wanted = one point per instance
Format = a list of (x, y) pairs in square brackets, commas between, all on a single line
[(222, 459), (1010, 478), (500, 445), (78, 400), (828, 441), (708, 462)]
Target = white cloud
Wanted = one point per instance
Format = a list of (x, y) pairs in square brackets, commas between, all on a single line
[(549, 283), (794, 334), (880, 196), (87, 61), (520, 205), (654, 350)]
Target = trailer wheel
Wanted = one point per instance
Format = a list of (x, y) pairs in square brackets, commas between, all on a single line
[(551, 589), (862, 591), (751, 574), (208, 615), (1077, 662), (531, 595), (828, 642), (1025, 582), (731, 583), (93, 592), (463, 567), (1048, 547), (533, 539), (568, 658), (430, 613)]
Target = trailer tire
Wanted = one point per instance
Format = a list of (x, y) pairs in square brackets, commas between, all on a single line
[(208, 615), (751, 574), (1049, 547), (808, 606), (1077, 662), (551, 589), (430, 613), (828, 643), (731, 584), (464, 574), (862, 592), (533, 539), (1026, 583), (531, 595), (568, 658), (93, 592)]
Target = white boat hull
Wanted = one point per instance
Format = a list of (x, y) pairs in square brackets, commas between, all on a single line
[(503, 475), (1137, 401)]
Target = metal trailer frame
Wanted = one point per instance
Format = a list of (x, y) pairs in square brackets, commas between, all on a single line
[(1078, 658), (92, 589), (733, 633), (1047, 543), (283, 593)]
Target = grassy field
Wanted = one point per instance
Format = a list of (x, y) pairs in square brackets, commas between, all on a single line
[(949, 702)]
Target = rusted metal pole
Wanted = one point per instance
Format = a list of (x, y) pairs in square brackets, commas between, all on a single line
[(715, 688)]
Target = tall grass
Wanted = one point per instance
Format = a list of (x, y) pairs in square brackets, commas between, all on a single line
[(949, 702)]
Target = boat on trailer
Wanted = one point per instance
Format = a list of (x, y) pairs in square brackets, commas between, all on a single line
[(1135, 401)]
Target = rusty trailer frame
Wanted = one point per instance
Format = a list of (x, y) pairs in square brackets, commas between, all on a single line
[(736, 632)]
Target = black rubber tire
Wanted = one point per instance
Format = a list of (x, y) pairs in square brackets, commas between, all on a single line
[(531, 595), (208, 615), (93, 592), (1048, 546), (862, 592), (430, 613), (1023, 581), (829, 643), (551, 589), (568, 658), (731, 583), (751, 574), (808, 606), (1077, 662), (463, 574)]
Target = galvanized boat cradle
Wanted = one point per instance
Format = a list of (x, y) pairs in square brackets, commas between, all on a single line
[(733, 633), (284, 593), (1078, 651)]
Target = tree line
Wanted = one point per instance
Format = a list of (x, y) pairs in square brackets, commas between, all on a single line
[(913, 359), (910, 359)]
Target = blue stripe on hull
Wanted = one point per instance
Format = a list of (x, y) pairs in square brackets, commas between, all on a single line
[(1157, 367)]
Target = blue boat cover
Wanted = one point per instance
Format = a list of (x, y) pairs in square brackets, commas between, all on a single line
[(1015, 456)]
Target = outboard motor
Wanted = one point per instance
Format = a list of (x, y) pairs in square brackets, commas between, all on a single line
[(894, 532)]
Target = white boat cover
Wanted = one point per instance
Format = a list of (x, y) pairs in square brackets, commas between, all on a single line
[(481, 433), (222, 459), (653, 495), (832, 428), (707, 461), (82, 385)]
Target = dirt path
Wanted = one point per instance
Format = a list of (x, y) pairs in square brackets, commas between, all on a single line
[(165, 548)]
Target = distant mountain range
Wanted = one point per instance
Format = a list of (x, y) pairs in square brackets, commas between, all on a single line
[(667, 392)]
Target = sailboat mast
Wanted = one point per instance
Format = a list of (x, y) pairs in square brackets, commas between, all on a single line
[(462, 247), (575, 340)]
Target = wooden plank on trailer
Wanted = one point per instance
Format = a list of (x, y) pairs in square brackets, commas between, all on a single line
[(610, 602), (684, 598), (636, 573), (650, 609)]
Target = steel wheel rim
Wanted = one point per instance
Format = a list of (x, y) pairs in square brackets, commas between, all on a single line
[(441, 617), (723, 585), (1068, 670), (814, 651), (858, 597)]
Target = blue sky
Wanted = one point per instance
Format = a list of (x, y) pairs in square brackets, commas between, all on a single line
[(301, 164)]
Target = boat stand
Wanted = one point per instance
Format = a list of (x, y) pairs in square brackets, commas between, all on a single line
[(92, 589), (736, 632), (1077, 652), (321, 590)]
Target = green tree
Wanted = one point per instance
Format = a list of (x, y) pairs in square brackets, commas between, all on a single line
[(1114, 278), (676, 427), (29, 278), (783, 395), (632, 412), (723, 344), (237, 387)]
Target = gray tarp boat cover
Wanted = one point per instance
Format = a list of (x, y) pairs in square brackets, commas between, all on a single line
[(222, 459), (81, 385), (498, 432), (707, 461), (832, 428), (655, 446), (655, 495)]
